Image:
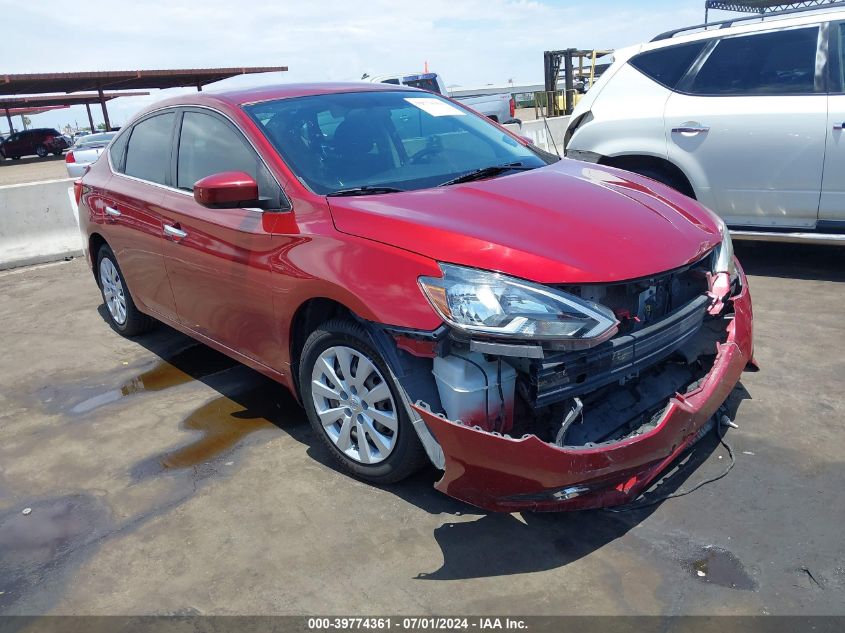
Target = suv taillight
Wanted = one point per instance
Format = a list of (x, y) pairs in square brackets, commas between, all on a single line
[(512, 106), (69, 157)]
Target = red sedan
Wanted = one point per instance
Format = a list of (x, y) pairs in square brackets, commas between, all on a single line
[(549, 333)]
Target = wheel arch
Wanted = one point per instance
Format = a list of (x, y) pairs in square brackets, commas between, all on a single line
[(310, 314), (630, 162), (95, 243)]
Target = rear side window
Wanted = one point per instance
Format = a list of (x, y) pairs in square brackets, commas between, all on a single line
[(779, 63), (117, 151), (148, 151), (667, 66)]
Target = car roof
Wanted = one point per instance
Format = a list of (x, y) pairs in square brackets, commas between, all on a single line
[(258, 94), (745, 27)]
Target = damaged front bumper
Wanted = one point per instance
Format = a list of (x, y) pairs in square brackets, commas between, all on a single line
[(500, 473)]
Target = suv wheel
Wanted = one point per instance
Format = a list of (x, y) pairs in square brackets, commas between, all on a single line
[(123, 316), (663, 177), (41, 151), (354, 407)]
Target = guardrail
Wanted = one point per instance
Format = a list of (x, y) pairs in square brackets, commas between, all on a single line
[(38, 223)]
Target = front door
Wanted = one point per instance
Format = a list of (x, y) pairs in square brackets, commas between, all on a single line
[(219, 260), (749, 124)]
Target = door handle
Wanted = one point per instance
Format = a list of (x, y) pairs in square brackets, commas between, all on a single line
[(690, 129), (112, 212), (839, 126), (172, 231)]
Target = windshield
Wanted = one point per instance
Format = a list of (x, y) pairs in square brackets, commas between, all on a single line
[(399, 140), (95, 139)]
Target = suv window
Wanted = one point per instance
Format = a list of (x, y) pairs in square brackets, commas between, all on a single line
[(148, 152), (208, 145), (778, 63), (842, 57), (667, 66)]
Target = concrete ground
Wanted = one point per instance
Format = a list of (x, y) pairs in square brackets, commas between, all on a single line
[(164, 478), (32, 169)]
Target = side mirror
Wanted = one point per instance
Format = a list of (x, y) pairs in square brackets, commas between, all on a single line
[(227, 190)]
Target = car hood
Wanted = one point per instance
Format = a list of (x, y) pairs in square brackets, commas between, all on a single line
[(570, 222)]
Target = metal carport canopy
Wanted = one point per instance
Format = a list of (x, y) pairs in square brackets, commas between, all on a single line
[(42, 103), (39, 83)]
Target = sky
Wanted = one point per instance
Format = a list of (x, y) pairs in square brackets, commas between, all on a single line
[(469, 42)]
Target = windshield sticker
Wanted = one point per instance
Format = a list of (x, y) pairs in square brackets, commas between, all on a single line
[(435, 107)]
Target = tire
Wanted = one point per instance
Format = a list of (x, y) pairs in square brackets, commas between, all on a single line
[(664, 178), (121, 312), (41, 151), (361, 405)]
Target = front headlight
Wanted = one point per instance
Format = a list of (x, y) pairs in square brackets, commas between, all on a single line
[(491, 304), (723, 256)]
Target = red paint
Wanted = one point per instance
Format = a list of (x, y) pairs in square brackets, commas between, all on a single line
[(238, 278), (485, 469), (225, 190)]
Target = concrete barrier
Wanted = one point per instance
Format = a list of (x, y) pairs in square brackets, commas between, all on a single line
[(547, 134), (38, 223)]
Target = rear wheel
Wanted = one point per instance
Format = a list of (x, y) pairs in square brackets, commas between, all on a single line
[(41, 151), (354, 405), (123, 316)]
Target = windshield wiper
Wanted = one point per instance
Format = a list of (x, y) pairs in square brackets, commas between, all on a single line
[(366, 190), (485, 172)]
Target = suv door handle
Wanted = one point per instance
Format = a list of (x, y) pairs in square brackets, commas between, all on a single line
[(690, 129), (839, 126), (173, 231), (112, 212)]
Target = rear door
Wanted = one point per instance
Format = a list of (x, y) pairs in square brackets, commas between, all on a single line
[(141, 160), (219, 260), (832, 206), (748, 124)]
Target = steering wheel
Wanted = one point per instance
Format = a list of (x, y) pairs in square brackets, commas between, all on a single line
[(433, 146)]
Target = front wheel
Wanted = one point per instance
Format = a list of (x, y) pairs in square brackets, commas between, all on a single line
[(123, 316), (354, 406), (41, 151)]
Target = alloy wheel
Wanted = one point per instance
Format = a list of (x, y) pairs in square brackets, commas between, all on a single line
[(113, 290), (354, 403)]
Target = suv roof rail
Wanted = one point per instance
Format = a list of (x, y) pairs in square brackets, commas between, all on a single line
[(760, 16)]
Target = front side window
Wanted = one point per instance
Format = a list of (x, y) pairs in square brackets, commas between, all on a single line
[(403, 140), (777, 63), (148, 151), (207, 145)]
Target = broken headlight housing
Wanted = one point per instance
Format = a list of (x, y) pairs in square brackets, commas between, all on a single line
[(723, 255), (491, 304)]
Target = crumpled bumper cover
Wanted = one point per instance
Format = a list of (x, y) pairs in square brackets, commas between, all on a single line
[(499, 473)]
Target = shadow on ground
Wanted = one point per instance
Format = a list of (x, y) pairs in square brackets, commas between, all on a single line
[(792, 261), (491, 545)]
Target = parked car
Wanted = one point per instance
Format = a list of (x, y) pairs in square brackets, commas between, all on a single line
[(85, 151), (499, 106), (550, 334), (38, 141), (746, 118)]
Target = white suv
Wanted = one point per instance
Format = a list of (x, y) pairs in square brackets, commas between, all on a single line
[(747, 118)]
